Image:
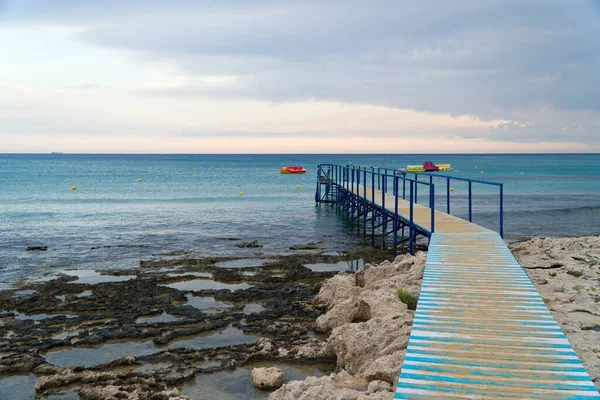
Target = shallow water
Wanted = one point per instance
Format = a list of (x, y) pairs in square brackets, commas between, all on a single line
[(91, 277), (17, 387), (87, 356), (205, 284), (242, 263), (65, 335), (206, 303), (236, 384), (253, 308), (38, 317), (228, 337), (354, 265), (333, 253), (151, 367), (199, 274), (24, 292), (164, 317)]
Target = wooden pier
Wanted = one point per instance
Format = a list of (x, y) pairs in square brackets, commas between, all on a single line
[(481, 329)]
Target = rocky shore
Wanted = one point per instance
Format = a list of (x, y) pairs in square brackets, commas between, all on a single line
[(281, 313), (566, 272), (369, 327), (147, 332)]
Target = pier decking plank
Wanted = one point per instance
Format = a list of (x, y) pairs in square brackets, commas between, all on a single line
[(481, 329)]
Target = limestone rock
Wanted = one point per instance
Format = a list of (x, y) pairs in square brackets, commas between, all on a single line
[(311, 351), (133, 392), (344, 380), (379, 386), (358, 347), (323, 388), (267, 378), (313, 388), (336, 290), (264, 346)]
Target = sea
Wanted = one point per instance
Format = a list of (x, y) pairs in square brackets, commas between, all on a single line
[(126, 208)]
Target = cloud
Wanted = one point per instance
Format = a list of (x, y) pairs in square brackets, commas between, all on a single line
[(528, 67)]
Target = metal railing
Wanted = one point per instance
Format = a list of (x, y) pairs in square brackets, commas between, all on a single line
[(470, 183), (448, 180), (372, 185), (359, 178)]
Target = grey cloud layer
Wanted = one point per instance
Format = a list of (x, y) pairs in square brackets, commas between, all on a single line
[(493, 59)]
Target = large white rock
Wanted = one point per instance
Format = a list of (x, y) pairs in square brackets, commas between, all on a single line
[(335, 290), (323, 388), (267, 378)]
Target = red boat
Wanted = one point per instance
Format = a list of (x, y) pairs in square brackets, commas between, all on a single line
[(296, 169), (428, 166)]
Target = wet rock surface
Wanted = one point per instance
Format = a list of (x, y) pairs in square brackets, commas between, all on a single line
[(65, 315), (252, 244), (566, 272), (36, 248)]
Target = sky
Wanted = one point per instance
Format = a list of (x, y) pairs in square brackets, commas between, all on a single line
[(299, 76)]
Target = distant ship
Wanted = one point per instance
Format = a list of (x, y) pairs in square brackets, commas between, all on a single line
[(57, 152)]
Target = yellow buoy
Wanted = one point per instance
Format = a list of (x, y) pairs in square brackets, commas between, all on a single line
[(241, 193), (476, 166), (139, 179), (176, 173), (299, 187), (481, 172), (452, 189), (195, 168), (73, 188), (522, 173)]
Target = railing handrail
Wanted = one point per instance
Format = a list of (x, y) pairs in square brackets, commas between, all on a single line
[(382, 174), (458, 178)]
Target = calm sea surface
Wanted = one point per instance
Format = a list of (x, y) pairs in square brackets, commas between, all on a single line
[(113, 221)]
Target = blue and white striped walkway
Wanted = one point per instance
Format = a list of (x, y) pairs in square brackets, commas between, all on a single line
[(482, 331)]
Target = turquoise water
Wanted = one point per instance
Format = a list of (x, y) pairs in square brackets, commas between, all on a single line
[(113, 221)]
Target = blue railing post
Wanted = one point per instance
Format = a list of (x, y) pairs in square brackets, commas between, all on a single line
[(411, 227), (404, 186), (366, 205), (395, 215), (432, 206), (416, 189), (372, 207), (470, 204), (502, 210), (383, 212), (448, 195), (352, 199), (318, 191)]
